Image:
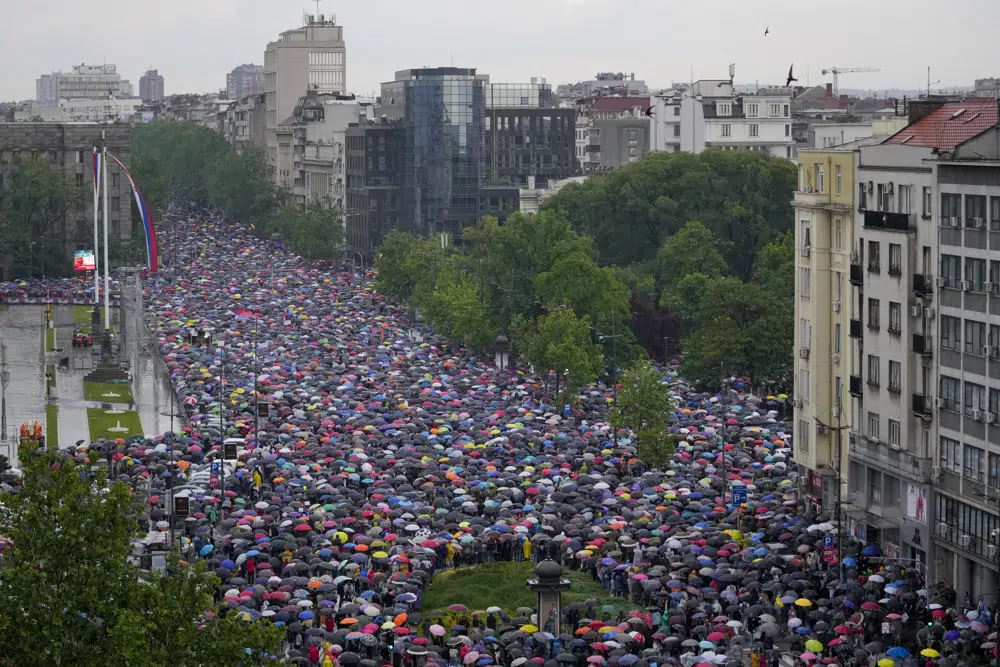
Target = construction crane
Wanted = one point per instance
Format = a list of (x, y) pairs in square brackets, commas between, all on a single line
[(837, 71)]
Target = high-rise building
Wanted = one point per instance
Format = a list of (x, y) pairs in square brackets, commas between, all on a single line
[(151, 86), (245, 80), (89, 82), (443, 151), (310, 58)]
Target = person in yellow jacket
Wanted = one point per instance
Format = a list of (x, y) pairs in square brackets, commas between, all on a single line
[(257, 479), (526, 548)]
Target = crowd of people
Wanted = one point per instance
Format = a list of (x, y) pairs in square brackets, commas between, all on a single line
[(371, 454)]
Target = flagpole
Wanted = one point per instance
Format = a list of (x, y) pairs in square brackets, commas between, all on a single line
[(107, 277), (97, 268)]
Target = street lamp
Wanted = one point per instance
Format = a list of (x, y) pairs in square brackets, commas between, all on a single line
[(501, 349)]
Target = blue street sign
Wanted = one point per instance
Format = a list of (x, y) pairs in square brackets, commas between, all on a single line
[(216, 467), (828, 541), (740, 495)]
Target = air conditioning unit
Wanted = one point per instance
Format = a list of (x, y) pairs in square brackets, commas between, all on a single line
[(871, 187), (916, 311), (993, 288), (966, 285), (954, 221), (803, 353), (804, 251), (835, 358), (991, 550), (965, 540), (888, 187), (820, 429), (986, 350), (930, 313), (836, 306), (978, 223), (943, 526), (854, 257), (935, 476), (942, 281), (991, 418), (977, 415)]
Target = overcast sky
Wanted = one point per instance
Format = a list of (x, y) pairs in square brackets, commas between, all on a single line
[(194, 43)]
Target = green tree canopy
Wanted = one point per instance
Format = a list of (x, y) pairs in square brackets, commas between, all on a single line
[(404, 266), (775, 267), (693, 249), (643, 406), (560, 341), (68, 594), (315, 231)]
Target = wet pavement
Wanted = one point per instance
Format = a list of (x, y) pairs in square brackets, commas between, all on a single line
[(22, 333)]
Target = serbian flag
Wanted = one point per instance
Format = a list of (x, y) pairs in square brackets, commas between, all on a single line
[(152, 247), (243, 314)]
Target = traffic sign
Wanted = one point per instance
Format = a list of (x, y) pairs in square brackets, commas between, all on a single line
[(828, 541), (740, 495), (216, 467)]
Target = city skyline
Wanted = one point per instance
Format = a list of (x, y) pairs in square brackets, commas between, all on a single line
[(562, 40)]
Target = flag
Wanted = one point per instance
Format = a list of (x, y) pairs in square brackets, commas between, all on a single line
[(152, 247), (243, 314), (97, 171)]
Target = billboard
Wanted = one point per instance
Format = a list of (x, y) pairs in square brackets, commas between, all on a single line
[(83, 260)]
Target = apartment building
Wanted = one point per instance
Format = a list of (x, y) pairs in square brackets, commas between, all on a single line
[(824, 207)]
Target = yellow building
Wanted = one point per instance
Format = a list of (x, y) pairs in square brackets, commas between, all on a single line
[(824, 238)]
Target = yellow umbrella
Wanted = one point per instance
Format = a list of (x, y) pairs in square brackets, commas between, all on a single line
[(930, 653), (886, 662), (529, 628), (816, 647), (803, 602)]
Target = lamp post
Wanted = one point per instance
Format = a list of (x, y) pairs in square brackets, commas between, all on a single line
[(501, 349)]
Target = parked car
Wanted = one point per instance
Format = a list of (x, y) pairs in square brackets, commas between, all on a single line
[(81, 339)]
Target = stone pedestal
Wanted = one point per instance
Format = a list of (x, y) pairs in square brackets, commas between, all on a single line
[(548, 586)]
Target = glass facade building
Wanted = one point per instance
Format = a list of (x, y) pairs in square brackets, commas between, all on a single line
[(442, 146), (513, 95)]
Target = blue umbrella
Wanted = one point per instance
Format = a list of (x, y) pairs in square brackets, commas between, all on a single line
[(900, 652), (207, 549)]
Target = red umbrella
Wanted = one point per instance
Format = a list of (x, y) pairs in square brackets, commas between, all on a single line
[(870, 606)]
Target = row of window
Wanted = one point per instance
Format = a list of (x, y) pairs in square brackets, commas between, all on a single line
[(895, 258), (975, 210), (976, 272), (894, 430), (753, 110), (969, 527), (895, 315), (753, 130), (970, 461), (978, 339), (967, 397), (875, 376)]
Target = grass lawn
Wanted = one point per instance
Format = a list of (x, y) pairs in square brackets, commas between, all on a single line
[(50, 340), (51, 426), (505, 585), (85, 328), (50, 379), (81, 314), (94, 391), (99, 423)]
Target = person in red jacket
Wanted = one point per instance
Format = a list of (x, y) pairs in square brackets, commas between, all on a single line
[(313, 654)]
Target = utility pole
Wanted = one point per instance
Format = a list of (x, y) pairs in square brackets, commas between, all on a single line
[(838, 468), (4, 379)]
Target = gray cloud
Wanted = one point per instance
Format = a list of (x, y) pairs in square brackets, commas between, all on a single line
[(195, 42)]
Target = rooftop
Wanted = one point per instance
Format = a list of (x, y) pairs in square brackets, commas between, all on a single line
[(949, 125), (847, 147), (619, 103)]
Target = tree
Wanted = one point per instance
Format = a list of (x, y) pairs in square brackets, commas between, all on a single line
[(693, 249), (404, 266), (560, 341), (315, 231), (576, 280), (456, 308), (39, 199), (643, 406), (775, 267), (68, 594)]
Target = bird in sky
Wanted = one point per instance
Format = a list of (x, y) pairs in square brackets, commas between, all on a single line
[(791, 77), (767, 30)]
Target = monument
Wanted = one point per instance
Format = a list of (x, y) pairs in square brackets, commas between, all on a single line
[(548, 586)]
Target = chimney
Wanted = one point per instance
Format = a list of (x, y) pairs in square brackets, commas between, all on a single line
[(843, 100), (921, 108), (829, 90)]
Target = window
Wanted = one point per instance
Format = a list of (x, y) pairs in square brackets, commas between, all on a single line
[(875, 490), (838, 233), (79, 157), (995, 214), (788, 130), (806, 238), (950, 393), (802, 390), (895, 378), (677, 129), (874, 306), (884, 197), (115, 179), (874, 256), (786, 111), (895, 317), (819, 177), (903, 205), (677, 111), (805, 333), (838, 285), (873, 420), (975, 336), (116, 204), (927, 202), (974, 397), (862, 197), (873, 370), (79, 179), (949, 454), (802, 436), (751, 110), (723, 109), (951, 271), (974, 460), (951, 336), (895, 434), (774, 110), (754, 130), (975, 211), (805, 282), (993, 472), (951, 208), (726, 130), (836, 337), (895, 259), (975, 274), (838, 178)]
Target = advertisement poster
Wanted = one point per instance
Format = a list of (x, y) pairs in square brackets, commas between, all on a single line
[(83, 260), (916, 503)]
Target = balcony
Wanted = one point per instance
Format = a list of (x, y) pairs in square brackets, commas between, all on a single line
[(923, 284), (923, 344), (857, 275), (855, 331), (922, 406), (915, 465), (854, 386), (900, 222), (811, 198)]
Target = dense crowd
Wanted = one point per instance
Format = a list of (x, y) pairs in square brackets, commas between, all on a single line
[(372, 454)]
